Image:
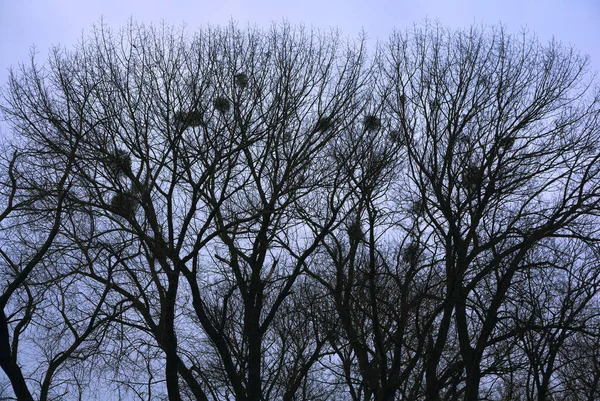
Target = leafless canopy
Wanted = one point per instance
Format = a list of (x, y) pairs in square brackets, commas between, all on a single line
[(282, 214)]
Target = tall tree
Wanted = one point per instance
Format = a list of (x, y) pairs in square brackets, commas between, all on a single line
[(200, 163), (500, 134), (280, 214)]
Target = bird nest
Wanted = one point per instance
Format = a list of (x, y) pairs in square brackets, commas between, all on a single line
[(241, 80), (372, 122), (123, 204), (221, 104)]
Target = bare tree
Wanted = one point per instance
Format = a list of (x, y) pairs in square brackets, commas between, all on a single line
[(46, 306), (371, 267), (256, 215), (555, 305), (208, 159), (500, 133), (579, 360), (26, 239)]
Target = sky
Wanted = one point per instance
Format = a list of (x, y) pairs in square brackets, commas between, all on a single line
[(43, 23)]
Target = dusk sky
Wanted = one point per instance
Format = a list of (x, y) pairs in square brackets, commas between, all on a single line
[(44, 23)]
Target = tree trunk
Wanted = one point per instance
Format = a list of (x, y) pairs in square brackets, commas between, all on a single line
[(9, 364)]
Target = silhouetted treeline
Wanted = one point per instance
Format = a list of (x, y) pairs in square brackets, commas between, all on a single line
[(283, 214)]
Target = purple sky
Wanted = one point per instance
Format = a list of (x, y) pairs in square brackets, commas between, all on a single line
[(24, 23)]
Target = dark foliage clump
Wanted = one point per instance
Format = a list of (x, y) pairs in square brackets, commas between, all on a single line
[(221, 104), (372, 122)]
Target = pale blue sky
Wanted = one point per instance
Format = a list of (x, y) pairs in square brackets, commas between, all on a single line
[(24, 23)]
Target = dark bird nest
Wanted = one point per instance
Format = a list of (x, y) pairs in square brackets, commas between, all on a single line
[(463, 140), (418, 207), (120, 162), (355, 231), (189, 118), (241, 80), (372, 122), (397, 136), (221, 104), (471, 176), (507, 142), (123, 204), (323, 124), (410, 254)]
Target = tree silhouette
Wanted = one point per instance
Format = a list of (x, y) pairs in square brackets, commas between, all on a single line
[(281, 214)]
